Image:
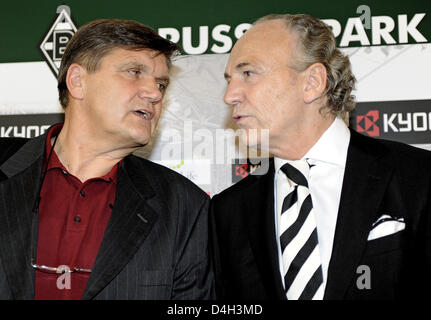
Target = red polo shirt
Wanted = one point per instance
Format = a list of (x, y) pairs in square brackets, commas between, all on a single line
[(72, 220)]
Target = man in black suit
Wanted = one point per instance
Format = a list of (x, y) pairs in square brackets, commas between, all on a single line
[(80, 216), (338, 215)]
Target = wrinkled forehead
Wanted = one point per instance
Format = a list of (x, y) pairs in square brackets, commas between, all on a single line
[(127, 56), (266, 40)]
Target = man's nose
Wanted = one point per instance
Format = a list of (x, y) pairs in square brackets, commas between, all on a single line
[(234, 93), (149, 90)]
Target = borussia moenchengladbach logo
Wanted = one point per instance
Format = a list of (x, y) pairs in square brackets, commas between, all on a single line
[(54, 43)]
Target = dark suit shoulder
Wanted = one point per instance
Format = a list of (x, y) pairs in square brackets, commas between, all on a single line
[(398, 151), (236, 189), (412, 165), (9, 146), (407, 151)]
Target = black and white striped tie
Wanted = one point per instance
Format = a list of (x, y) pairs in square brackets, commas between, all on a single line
[(302, 266)]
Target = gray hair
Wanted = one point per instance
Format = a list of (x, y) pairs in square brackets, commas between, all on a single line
[(319, 46)]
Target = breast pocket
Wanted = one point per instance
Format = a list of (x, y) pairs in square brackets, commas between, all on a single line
[(383, 259), (395, 241)]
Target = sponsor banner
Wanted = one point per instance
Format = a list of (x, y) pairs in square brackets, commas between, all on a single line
[(61, 31), (28, 126), (196, 170), (404, 121), (210, 26), (363, 30)]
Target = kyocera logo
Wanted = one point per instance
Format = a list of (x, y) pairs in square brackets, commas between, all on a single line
[(243, 168), (392, 122), (368, 123), (407, 122)]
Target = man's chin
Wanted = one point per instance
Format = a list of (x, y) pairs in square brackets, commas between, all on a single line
[(142, 136), (140, 140), (143, 142)]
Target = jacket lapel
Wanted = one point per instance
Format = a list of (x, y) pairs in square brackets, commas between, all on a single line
[(261, 231), (18, 191), (365, 180), (132, 219)]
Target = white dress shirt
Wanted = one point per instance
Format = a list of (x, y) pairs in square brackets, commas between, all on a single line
[(328, 155)]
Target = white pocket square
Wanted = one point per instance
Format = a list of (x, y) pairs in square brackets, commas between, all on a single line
[(385, 226)]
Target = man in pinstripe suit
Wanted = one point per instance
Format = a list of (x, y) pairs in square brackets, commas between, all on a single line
[(82, 218)]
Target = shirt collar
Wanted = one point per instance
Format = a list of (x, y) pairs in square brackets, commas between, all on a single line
[(330, 148)]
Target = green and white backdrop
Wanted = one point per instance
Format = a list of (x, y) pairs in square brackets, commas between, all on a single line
[(387, 41)]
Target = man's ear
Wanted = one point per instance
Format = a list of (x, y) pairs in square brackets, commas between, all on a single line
[(75, 81), (315, 82)]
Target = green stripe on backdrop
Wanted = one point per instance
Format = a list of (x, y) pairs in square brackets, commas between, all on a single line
[(25, 23)]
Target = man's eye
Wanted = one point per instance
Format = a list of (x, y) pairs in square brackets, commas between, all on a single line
[(248, 73), (134, 72), (161, 86)]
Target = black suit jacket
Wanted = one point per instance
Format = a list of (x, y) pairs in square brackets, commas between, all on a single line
[(381, 177), (155, 245)]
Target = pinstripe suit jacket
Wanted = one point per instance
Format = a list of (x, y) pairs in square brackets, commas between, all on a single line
[(155, 244)]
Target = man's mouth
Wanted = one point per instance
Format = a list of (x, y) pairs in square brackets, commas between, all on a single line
[(147, 115), (238, 117)]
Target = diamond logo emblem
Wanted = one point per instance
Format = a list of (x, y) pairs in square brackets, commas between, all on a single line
[(55, 41)]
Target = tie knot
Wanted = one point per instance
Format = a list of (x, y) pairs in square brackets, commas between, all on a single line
[(298, 173)]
